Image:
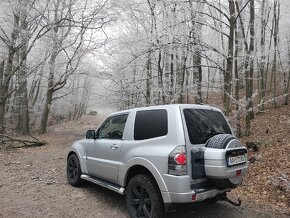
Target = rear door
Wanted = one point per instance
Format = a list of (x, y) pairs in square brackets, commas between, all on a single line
[(201, 123), (103, 155)]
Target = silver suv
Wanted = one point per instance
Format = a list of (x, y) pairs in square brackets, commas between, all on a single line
[(161, 155)]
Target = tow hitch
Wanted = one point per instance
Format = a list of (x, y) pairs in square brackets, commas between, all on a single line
[(223, 197)]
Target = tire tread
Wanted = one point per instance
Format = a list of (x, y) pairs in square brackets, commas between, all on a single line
[(150, 184)]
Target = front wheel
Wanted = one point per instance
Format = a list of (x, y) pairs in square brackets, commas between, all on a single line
[(73, 170), (143, 197)]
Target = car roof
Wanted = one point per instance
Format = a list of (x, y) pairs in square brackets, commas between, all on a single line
[(167, 106)]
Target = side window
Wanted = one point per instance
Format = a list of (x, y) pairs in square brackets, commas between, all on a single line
[(113, 127), (150, 124)]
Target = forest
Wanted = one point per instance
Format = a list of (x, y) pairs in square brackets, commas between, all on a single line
[(59, 59)]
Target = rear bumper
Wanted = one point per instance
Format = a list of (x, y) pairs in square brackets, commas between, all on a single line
[(179, 190), (219, 171), (187, 197)]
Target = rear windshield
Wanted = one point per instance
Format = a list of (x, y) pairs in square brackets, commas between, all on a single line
[(202, 124)]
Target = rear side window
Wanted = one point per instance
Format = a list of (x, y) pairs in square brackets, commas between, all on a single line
[(150, 124), (202, 124)]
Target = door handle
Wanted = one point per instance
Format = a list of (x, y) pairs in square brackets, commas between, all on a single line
[(113, 147)]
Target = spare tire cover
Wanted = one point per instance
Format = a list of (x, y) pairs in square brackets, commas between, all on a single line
[(221, 141)]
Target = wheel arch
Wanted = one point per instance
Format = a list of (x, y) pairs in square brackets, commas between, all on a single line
[(135, 170), (141, 165), (136, 165), (70, 153), (81, 154)]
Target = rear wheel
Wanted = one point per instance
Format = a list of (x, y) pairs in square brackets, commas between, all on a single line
[(73, 170), (143, 197)]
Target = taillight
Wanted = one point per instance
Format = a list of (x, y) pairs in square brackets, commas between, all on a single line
[(177, 161), (180, 159)]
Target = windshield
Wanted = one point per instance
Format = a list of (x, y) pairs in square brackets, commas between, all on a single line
[(202, 124)]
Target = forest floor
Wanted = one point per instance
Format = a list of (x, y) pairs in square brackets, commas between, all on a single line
[(33, 180), (267, 184)]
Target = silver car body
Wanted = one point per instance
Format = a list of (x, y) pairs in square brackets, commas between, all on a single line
[(111, 160)]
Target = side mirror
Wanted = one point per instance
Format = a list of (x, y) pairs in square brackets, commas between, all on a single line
[(90, 134)]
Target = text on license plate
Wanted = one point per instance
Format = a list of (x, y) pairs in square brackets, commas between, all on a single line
[(236, 160)]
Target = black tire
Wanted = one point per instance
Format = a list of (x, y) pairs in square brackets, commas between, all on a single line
[(73, 170), (143, 197), (219, 141)]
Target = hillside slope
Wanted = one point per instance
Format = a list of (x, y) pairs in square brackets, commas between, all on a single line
[(268, 182)]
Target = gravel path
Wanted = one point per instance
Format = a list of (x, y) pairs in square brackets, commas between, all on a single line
[(33, 184)]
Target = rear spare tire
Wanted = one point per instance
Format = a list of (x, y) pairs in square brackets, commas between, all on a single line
[(225, 161), (219, 141)]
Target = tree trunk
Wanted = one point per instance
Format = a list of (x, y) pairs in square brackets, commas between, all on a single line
[(195, 38), (50, 82), (229, 69), (4, 87), (2, 97), (288, 81), (237, 86), (160, 79), (167, 75), (251, 50), (199, 76), (133, 94), (172, 55), (250, 72), (181, 78), (23, 121), (2, 116), (8, 72), (171, 99), (274, 66), (148, 80), (47, 105), (262, 87), (187, 87), (159, 68)]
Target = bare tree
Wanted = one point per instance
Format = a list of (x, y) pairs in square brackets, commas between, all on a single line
[(250, 73), (8, 71), (21, 94), (68, 42), (26, 31), (275, 30), (262, 82), (287, 81)]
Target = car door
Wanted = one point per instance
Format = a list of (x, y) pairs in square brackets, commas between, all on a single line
[(103, 154)]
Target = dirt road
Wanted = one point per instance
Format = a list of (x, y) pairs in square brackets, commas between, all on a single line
[(33, 184)]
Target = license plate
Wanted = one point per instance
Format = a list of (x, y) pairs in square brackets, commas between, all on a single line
[(232, 161)]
